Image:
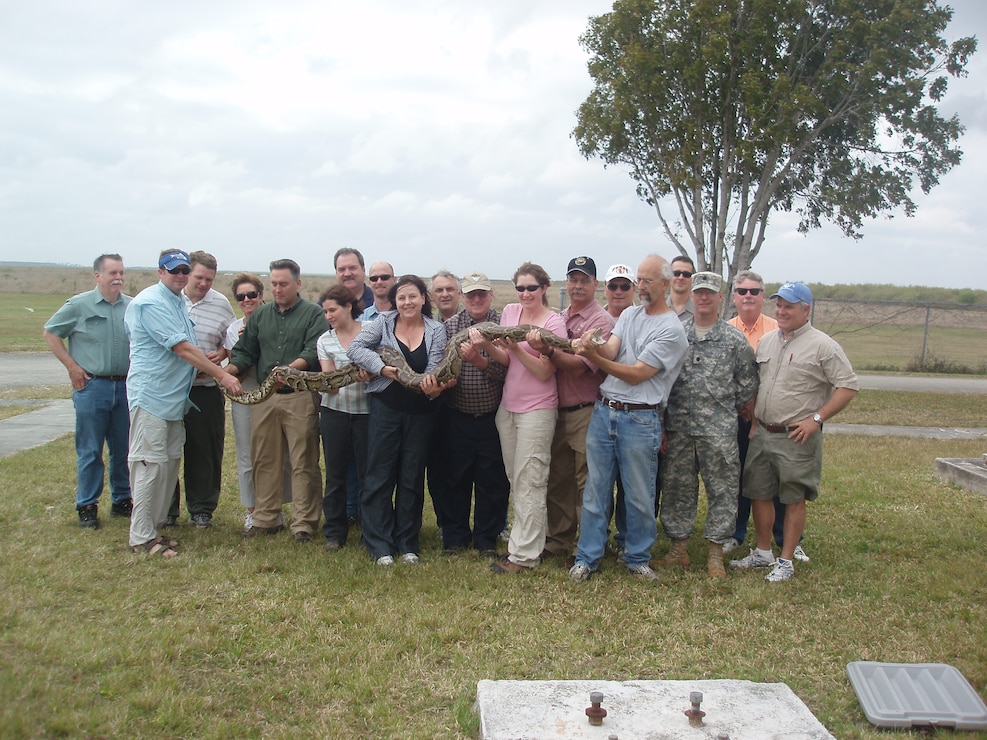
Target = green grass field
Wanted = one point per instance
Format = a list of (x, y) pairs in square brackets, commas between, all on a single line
[(274, 639)]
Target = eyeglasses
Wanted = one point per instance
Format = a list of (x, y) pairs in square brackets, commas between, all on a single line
[(181, 271), (375, 278), (682, 273), (529, 288), (618, 286), (645, 281), (244, 296), (752, 291)]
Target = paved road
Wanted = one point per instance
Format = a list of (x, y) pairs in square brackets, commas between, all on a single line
[(57, 418)]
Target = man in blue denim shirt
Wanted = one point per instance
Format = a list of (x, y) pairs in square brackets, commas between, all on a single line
[(164, 358), (97, 358)]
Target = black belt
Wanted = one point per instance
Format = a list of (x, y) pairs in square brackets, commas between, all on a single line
[(114, 378), (285, 389), (576, 407), (474, 416), (618, 406)]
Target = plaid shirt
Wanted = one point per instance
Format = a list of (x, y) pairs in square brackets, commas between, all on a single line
[(477, 392)]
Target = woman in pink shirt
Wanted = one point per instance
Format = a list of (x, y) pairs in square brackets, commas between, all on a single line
[(526, 417)]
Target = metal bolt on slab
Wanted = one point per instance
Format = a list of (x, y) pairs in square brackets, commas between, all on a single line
[(595, 713)]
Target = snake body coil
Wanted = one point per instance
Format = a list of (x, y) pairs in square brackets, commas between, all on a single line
[(447, 369)]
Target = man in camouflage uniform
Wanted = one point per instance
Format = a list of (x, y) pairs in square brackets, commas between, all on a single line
[(718, 378)]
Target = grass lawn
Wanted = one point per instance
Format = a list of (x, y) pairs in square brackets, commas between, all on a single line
[(271, 638)]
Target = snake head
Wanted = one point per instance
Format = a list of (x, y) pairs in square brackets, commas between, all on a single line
[(597, 337)]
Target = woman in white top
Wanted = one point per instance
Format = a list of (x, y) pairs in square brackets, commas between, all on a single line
[(343, 414)]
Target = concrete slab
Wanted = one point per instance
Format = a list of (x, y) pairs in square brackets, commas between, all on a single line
[(36, 427), (874, 430), (970, 473), (643, 710)]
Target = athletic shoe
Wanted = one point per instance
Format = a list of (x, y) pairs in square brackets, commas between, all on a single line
[(730, 545), (505, 535), (580, 572), (332, 546), (754, 560), (410, 558), (385, 560), (201, 521), (643, 571), (800, 554), (782, 571), (248, 521)]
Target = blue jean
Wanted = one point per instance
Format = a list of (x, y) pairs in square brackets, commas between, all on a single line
[(624, 443), (394, 489), (101, 413)]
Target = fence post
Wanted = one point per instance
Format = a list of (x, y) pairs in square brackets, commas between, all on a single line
[(925, 336)]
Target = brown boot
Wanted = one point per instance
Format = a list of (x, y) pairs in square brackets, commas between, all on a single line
[(678, 555), (714, 561)]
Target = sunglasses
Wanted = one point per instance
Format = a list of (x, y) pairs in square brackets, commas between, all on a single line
[(752, 291), (529, 288), (619, 286), (375, 278), (244, 296), (682, 273), (181, 271)]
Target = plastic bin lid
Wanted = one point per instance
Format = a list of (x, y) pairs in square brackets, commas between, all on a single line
[(900, 695)]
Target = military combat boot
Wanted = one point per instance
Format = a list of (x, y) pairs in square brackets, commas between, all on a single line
[(714, 561), (678, 555)]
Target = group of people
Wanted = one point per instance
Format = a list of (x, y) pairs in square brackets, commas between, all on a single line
[(651, 397)]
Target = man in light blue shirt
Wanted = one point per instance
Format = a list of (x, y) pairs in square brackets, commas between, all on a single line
[(164, 358)]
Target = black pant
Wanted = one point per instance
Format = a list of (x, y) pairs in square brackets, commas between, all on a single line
[(205, 435)]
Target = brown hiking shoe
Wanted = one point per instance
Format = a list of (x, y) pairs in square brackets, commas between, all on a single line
[(714, 561), (678, 555)]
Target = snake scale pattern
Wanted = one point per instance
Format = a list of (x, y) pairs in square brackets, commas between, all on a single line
[(447, 369)]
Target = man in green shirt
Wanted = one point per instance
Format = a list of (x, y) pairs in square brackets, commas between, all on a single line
[(284, 332), (97, 359)]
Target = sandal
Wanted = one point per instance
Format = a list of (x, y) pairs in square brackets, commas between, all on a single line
[(155, 547), (170, 543)]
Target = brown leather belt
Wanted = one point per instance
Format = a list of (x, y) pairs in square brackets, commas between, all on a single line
[(776, 428), (114, 378), (578, 406), (618, 406)]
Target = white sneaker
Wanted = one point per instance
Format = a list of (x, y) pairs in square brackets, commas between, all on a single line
[(643, 571), (580, 572), (248, 521), (410, 558), (732, 544), (782, 571), (385, 560), (505, 535), (754, 560), (800, 554)]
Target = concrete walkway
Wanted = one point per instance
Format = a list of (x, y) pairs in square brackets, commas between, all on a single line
[(57, 418)]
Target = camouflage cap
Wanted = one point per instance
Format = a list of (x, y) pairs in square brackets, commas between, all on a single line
[(707, 281)]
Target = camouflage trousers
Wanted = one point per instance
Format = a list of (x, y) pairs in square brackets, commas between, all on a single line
[(717, 460)]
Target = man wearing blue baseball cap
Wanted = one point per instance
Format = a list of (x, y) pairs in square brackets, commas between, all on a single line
[(164, 358), (805, 379)]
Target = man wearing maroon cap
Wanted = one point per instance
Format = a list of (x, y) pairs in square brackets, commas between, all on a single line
[(579, 384)]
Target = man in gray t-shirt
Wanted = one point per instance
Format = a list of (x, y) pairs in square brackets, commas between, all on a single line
[(642, 359)]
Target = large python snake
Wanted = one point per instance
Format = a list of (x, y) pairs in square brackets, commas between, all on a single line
[(445, 371)]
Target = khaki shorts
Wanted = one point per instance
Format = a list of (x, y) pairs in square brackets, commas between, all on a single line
[(779, 466)]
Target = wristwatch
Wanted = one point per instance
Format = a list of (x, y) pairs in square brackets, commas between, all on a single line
[(817, 418)]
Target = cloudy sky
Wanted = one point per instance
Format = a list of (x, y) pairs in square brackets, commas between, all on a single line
[(433, 134)]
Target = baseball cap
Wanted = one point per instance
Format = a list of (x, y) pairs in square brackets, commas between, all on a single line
[(707, 281), (619, 271), (171, 260), (585, 265), (475, 281), (794, 293)]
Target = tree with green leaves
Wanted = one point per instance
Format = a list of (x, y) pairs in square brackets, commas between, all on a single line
[(728, 110)]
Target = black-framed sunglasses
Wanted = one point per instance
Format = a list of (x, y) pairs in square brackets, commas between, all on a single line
[(529, 288), (619, 286), (180, 270), (375, 278), (682, 273), (249, 294), (745, 291)]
